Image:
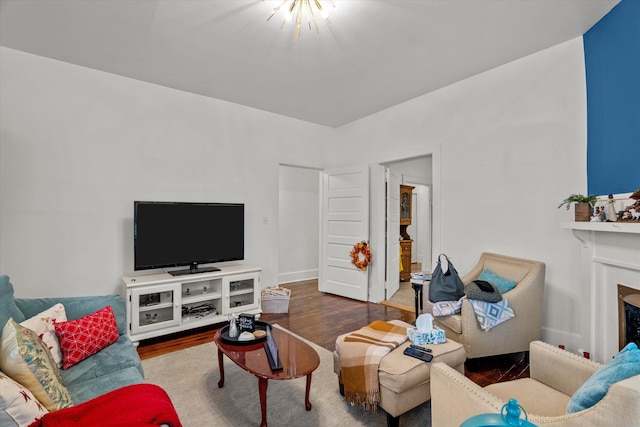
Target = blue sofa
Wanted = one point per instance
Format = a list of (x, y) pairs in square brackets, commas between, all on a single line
[(113, 367)]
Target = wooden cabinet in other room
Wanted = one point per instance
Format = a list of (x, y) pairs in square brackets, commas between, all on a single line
[(405, 221), (405, 257)]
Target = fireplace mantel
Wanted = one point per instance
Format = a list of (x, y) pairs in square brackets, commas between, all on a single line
[(611, 227), (610, 256)]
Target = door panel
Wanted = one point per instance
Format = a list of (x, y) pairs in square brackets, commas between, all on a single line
[(393, 233), (345, 222)]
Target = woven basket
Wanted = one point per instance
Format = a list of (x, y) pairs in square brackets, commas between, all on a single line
[(275, 304)]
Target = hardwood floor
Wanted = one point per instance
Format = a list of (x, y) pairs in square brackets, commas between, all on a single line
[(321, 317)]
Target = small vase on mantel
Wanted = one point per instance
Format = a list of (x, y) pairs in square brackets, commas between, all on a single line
[(583, 212)]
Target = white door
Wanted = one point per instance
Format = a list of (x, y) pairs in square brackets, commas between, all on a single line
[(345, 222), (393, 234)]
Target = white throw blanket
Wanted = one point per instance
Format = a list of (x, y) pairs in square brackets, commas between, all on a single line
[(490, 314)]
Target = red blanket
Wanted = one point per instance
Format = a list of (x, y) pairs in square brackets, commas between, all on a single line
[(138, 405)]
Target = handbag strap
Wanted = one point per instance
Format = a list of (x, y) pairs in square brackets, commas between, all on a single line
[(448, 263)]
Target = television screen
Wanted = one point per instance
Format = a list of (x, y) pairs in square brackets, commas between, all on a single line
[(172, 234)]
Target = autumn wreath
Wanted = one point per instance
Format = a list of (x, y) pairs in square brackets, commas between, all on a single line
[(361, 255)]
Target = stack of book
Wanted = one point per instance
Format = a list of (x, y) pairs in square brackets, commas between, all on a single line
[(420, 278)]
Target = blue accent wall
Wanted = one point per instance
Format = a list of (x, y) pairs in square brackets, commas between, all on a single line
[(612, 64)]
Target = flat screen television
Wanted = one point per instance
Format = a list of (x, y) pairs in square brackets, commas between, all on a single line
[(173, 234)]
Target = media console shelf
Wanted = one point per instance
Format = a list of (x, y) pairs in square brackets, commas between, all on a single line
[(160, 304)]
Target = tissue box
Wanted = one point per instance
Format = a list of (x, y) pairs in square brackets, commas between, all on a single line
[(430, 336)]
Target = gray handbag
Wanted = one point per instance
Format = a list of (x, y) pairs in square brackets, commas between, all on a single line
[(445, 286)]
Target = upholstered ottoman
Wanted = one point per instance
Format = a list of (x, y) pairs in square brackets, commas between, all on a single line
[(405, 381)]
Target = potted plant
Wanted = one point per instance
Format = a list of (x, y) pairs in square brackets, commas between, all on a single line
[(584, 206)]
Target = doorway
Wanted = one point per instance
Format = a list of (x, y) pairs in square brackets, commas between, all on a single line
[(298, 219), (420, 172), (416, 172)]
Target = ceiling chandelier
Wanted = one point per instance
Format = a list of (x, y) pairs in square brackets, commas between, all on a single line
[(304, 11)]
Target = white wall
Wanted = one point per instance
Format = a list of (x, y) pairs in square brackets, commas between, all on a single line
[(508, 145), (77, 146), (414, 171), (298, 220)]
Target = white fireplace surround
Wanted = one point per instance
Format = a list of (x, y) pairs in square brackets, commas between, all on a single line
[(610, 256)]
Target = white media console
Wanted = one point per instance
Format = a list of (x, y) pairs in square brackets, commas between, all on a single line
[(161, 304)]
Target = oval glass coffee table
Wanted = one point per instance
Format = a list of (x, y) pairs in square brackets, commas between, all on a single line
[(298, 359)]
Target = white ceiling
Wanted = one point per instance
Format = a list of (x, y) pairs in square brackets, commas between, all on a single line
[(374, 54)]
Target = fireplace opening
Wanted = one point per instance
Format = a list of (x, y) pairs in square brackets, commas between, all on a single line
[(628, 315)]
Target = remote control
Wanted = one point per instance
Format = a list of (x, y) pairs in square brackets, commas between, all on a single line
[(422, 355), (419, 348)]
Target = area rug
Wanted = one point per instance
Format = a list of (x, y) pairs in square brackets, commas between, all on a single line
[(191, 376)]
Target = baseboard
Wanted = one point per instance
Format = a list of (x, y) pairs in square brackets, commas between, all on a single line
[(571, 341), (297, 276)]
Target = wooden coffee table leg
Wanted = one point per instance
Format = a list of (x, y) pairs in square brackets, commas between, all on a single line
[(262, 388), (307, 403), (221, 367)]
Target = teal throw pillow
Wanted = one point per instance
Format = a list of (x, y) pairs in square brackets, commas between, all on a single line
[(503, 285), (625, 365)]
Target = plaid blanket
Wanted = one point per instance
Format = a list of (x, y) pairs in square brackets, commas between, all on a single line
[(360, 353)]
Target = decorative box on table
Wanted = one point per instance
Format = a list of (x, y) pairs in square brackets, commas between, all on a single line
[(275, 300)]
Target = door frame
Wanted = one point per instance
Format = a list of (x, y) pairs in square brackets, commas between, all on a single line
[(377, 215), (377, 286)]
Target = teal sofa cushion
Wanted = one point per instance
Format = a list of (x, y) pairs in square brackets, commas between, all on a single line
[(77, 307), (8, 307), (121, 354), (87, 390), (503, 285), (625, 364), (114, 366)]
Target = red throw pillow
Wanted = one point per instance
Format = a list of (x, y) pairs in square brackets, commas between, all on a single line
[(88, 335)]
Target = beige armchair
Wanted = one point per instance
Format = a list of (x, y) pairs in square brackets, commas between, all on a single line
[(525, 299), (555, 376)]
